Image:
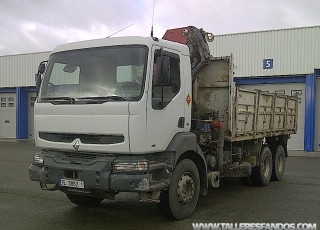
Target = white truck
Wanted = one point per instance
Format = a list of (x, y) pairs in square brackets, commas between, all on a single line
[(155, 117)]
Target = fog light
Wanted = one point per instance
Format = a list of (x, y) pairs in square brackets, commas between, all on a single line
[(131, 166), (143, 166)]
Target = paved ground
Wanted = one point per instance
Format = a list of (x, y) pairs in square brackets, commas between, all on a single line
[(295, 199)]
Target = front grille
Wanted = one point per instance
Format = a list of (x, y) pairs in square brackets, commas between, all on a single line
[(85, 138), (81, 156)]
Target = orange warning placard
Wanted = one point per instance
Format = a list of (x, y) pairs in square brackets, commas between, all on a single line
[(188, 99)]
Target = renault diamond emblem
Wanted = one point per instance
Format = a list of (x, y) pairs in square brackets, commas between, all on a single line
[(76, 144)]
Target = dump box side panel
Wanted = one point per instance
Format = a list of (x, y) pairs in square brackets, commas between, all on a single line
[(264, 115), (279, 114), (253, 113), (292, 113), (247, 114), (245, 110), (260, 114)]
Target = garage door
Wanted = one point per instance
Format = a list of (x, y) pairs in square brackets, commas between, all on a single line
[(296, 142), (31, 100), (7, 115), (317, 117)]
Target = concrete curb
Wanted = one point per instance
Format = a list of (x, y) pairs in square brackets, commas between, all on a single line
[(10, 140), (297, 153)]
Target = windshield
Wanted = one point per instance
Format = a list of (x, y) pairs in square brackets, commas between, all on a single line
[(108, 73)]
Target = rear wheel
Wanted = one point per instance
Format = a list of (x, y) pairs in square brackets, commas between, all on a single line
[(181, 198), (261, 174), (278, 163), (84, 201)]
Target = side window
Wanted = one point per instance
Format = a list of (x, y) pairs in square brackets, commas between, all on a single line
[(131, 73), (171, 90), (129, 80)]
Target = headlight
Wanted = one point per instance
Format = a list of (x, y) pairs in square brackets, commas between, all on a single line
[(38, 158), (131, 166)]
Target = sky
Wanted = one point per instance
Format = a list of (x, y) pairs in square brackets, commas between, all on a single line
[(28, 26)]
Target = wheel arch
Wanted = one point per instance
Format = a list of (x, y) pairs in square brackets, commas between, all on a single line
[(184, 146), (201, 166), (275, 141)]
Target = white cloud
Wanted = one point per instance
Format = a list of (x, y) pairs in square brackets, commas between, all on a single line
[(33, 26)]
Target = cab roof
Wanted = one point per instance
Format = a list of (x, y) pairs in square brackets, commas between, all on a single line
[(117, 41)]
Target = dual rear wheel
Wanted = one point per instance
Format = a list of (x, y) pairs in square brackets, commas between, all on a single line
[(271, 166), (279, 160)]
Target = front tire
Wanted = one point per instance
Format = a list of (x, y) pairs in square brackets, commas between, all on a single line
[(181, 198), (84, 201), (261, 174), (278, 163)]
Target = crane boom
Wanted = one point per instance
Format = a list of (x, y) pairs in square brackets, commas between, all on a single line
[(196, 39)]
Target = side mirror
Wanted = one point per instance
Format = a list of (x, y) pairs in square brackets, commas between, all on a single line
[(163, 71), (41, 67), (41, 70), (38, 82)]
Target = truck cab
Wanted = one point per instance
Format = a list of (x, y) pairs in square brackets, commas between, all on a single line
[(114, 115), (104, 91)]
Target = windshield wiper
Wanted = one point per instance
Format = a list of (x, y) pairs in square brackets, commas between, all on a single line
[(89, 100), (106, 98), (69, 99)]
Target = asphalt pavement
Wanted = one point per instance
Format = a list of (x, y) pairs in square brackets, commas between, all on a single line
[(23, 205)]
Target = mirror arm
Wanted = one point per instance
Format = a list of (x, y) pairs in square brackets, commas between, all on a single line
[(41, 69)]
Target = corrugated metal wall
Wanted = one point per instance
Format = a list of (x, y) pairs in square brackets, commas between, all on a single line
[(19, 70), (294, 51)]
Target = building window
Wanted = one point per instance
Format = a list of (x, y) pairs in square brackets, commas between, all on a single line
[(10, 99), (3, 99), (3, 104), (294, 92), (11, 104)]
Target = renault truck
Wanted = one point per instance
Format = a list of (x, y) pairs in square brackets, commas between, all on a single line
[(162, 118)]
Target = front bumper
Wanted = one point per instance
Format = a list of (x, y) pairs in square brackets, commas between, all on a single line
[(34, 172), (98, 176)]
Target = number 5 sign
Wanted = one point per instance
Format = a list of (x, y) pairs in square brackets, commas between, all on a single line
[(267, 63)]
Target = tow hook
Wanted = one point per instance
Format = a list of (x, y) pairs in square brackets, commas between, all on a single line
[(44, 186)]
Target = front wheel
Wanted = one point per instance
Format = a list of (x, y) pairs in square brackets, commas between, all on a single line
[(181, 198), (261, 174), (84, 201)]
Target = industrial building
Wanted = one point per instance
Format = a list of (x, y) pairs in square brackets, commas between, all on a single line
[(285, 61)]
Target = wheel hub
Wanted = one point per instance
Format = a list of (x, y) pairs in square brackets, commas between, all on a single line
[(280, 163), (185, 189), (266, 166)]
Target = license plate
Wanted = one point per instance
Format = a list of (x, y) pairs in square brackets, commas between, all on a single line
[(71, 183)]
